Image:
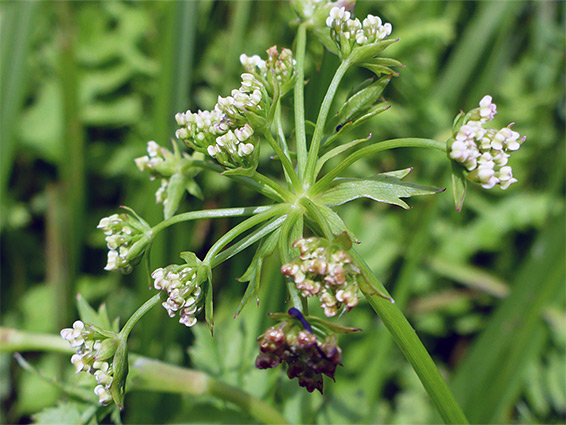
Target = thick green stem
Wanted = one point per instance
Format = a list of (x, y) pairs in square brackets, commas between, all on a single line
[(321, 122), (152, 375), (413, 349), (219, 213), (326, 181), (300, 133)]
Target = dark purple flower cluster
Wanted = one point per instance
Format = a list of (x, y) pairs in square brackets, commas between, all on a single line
[(306, 358)]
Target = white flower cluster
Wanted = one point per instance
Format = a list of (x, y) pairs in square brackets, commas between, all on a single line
[(185, 296), (85, 359), (327, 272), (161, 163), (484, 152), (225, 132), (154, 160), (126, 241), (371, 30)]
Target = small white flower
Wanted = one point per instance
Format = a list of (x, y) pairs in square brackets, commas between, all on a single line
[(113, 260), (212, 150), (181, 119), (104, 396), (487, 108), (152, 149), (188, 320), (77, 361)]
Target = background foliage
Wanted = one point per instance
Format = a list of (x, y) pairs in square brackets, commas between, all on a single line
[(84, 86)]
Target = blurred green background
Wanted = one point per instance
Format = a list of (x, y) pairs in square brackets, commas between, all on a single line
[(85, 85)]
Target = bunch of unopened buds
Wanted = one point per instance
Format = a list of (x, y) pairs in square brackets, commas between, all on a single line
[(185, 296), (484, 152), (127, 238), (308, 357), (327, 271), (94, 355)]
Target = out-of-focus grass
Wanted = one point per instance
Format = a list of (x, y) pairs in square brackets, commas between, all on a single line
[(99, 96)]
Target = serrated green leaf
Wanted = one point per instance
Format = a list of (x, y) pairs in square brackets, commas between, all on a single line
[(204, 353), (386, 187), (458, 185), (66, 413)]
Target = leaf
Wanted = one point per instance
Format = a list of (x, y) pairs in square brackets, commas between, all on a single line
[(194, 189), (190, 258), (66, 413), (337, 151), (88, 315), (458, 185), (175, 191), (317, 322), (350, 125), (360, 102), (368, 52), (385, 187), (253, 273), (208, 306), (335, 222), (240, 171)]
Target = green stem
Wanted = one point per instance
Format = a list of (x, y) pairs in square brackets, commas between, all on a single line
[(241, 228), (285, 161), (218, 213), (280, 132), (139, 313), (300, 100), (243, 244), (248, 181), (413, 349), (321, 121), (279, 190), (152, 375), (316, 216), (326, 181)]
